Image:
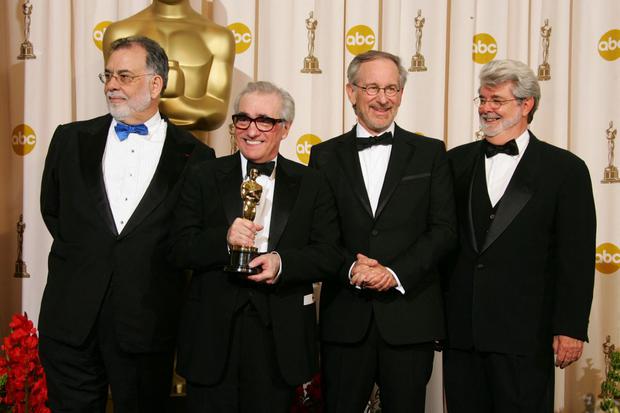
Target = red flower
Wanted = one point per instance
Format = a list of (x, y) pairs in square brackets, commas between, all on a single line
[(22, 380)]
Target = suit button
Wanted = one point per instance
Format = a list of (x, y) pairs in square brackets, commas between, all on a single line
[(492, 216), (480, 266), (375, 232)]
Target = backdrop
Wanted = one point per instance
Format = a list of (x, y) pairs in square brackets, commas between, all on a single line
[(578, 103)]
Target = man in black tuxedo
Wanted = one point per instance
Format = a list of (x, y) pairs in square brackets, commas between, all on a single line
[(520, 286), (393, 189), (109, 314), (247, 341)]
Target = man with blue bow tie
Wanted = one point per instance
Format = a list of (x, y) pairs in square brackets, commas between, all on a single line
[(110, 308)]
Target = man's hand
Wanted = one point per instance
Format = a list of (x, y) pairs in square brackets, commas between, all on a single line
[(270, 264), (242, 232), (369, 273), (567, 350)]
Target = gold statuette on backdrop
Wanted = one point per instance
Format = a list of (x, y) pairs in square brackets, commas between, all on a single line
[(544, 69), (417, 60), (20, 265), (240, 256), (479, 135), (311, 63), (26, 50), (231, 136), (610, 175)]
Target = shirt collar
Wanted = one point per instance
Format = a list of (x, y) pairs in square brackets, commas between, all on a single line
[(361, 132)]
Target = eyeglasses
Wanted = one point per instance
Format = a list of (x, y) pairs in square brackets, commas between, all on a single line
[(263, 123), (122, 78), (493, 103), (373, 90)]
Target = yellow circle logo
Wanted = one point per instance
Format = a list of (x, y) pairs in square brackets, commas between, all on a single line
[(360, 39), (23, 139), (304, 145), (243, 36), (607, 258), (484, 48), (98, 32), (609, 45)]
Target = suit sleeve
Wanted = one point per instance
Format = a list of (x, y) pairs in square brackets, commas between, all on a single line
[(422, 257), (574, 252), (50, 191)]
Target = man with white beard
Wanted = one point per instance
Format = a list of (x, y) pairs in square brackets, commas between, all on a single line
[(519, 288), (110, 308)]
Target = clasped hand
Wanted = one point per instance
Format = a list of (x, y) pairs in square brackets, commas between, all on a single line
[(369, 273)]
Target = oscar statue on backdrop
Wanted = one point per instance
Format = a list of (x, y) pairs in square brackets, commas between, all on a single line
[(610, 175), (544, 70), (240, 256), (311, 63), (417, 60), (201, 61), (26, 50), (20, 265), (231, 136)]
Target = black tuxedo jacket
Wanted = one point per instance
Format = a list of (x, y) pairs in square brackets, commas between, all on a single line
[(88, 255), (532, 278), (414, 227), (303, 230)]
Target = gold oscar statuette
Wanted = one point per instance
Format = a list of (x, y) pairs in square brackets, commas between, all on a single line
[(26, 50), (311, 63), (20, 265), (233, 139), (201, 56), (240, 256), (417, 60), (610, 175), (544, 69)]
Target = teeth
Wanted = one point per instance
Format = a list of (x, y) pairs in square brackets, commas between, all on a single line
[(253, 142)]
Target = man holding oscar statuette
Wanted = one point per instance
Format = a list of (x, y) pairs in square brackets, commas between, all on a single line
[(248, 339)]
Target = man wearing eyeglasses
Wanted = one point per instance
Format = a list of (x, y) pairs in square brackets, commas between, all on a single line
[(383, 312), (519, 288), (109, 314), (246, 341)]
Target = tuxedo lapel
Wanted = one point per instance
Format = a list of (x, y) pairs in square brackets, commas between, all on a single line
[(518, 193), (350, 162), (402, 151), (229, 180), (91, 147), (174, 157), (475, 169), (284, 196)]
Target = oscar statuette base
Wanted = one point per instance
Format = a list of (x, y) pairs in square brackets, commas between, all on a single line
[(240, 258), (311, 65), (417, 63), (610, 175), (544, 72)]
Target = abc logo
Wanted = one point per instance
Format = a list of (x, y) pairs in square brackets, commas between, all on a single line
[(304, 144), (243, 36), (98, 32), (484, 48), (607, 258), (23, 139), (360, 39), (609, 45)]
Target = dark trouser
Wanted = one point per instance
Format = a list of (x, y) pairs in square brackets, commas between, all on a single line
[(483, 382), (252, 380), (401, 372), (78, 377)]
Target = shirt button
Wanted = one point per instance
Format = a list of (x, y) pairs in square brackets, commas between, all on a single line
[(126, 199), (480, 266), (133, 151), (492, 216), (374, 232)]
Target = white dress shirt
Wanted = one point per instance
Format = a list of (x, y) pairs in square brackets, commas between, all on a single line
[(129, 166), (501, 167), (374, 161)]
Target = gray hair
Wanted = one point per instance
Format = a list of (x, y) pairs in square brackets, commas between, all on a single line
[(524, 81), (356, 63), (287, 112), (156, 58)]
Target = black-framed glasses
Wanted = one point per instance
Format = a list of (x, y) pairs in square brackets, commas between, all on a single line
[(262, 123), (124, 78), (373, 90), (493, 103)]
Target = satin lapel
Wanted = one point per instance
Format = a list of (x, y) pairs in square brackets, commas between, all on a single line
[(400, 156), (350, 163), (518, 193), (229, 186), (284, 196), (91, 148), (474, 168), (173, 159)]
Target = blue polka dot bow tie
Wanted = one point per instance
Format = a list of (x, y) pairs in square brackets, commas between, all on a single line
[(123, 130)]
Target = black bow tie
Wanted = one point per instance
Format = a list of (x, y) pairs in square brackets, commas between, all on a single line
[(383, 139), (509, 148), (262, 168)]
